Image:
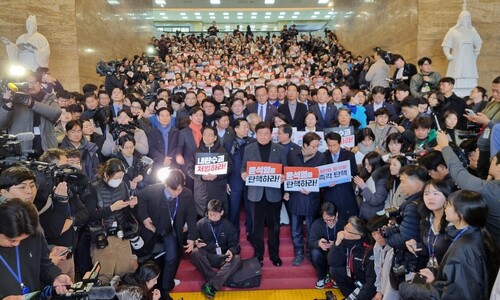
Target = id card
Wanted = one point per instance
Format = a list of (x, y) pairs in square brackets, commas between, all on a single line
[(218, 251)]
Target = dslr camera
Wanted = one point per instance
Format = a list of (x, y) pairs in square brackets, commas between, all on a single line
[(116, 129), (98, 236)]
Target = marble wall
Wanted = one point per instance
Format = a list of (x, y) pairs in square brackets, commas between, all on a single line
[(80, 33), (416, 28)]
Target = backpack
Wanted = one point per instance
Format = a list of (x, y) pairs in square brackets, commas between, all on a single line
[(248, 275)]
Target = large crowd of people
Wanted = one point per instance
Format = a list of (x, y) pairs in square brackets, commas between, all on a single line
[(418, 216)]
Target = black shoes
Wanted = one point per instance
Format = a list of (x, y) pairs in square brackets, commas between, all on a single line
[(297, 261), (277, 262)]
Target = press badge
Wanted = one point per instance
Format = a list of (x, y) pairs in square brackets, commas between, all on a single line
[(218, 250), (36, 130), (486, 134)]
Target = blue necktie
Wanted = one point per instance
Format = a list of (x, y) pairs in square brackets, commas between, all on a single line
[(323, 112)]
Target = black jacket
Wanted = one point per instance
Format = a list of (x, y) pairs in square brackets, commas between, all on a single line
[(227, 238), (151, 205), (462, 274)]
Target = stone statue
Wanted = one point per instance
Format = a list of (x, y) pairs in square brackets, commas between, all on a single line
[(31, 49), (461, 46)]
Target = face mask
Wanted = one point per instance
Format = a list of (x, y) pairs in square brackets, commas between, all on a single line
[(114, 183)]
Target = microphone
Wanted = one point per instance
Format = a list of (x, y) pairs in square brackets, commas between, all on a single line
[(25, 136), (13, 87), (102, 292)]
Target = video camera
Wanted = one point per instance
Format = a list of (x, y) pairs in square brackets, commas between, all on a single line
[(387, 56), (19, 92), (89, 288), (116, 129), (107, 68), (9, 146)]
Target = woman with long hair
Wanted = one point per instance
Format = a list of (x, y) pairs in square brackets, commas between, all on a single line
[(145, 277), (395, 197), (470, 263)]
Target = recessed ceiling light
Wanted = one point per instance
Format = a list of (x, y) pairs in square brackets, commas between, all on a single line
[(314, 16), (225, 13), (211, 14), (327, 16), (281, 17), (239, 17), (165, 17), (268, 13), (294, 17), (182, 14), (185, 18), (316, 12), (253, 17), (214, 2), (330, 12), (323, 1), (254, 14), (160, 2), (226, 17), (282, 13), (268, 1), (212, 17), (162, 14), (267, 17), (113, 2), (296, 13), (240, 14), (198, 17), (196, 13)]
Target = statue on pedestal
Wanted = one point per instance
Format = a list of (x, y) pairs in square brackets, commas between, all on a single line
[(461, 46), (31, 49)]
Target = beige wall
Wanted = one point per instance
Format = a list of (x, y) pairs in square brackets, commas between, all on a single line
[(416, 28), (80, 33)]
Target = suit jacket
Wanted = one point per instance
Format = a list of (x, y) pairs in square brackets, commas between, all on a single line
[(271, 111), (157, 145), (330, 115), (370, 112), (298, 119), (252, 153), (408, 71), (342, 195), (151, 206), (186, 145), (112, 109)]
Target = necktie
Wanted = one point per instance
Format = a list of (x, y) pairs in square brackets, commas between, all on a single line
[(335, 158), (261, 112), (323, 112)]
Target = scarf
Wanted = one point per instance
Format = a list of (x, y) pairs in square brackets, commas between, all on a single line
[(353, 108), (196, 129), (165, 130)]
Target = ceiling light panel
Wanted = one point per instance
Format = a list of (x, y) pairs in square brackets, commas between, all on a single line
[(215, 2)]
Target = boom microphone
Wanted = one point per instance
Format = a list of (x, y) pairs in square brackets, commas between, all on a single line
[(102, 292)]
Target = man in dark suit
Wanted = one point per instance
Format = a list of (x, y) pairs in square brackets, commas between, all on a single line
[(305, 96), (404, 71), (342, 195), (163, 139), (262, 107), (265, 202), (292, 109), (117, 104), (324, 111), (164, 209), (452, 101), (378, 95)]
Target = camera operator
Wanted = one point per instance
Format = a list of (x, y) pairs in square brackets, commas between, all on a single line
[(124, 126), (108, 203), (66, 214), (135, 164), (36, 112), (75, 140), (24, 253)]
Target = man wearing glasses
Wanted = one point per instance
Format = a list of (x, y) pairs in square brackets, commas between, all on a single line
[(321, 238), (37, 114)]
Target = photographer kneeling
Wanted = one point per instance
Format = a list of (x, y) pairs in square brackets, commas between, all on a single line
[(108, 205)]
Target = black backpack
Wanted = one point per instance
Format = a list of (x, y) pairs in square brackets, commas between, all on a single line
[(248, 275)]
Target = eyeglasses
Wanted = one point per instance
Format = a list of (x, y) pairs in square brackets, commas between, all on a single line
[(330, 220)]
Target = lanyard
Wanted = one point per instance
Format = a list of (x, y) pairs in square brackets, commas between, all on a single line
[(172, 216), (431, 251), (328, 231), (25, 290), (216, 237), (460, 234)]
